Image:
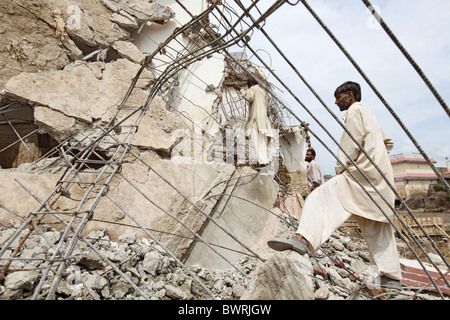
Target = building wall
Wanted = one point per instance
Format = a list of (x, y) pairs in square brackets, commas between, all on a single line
[(407, 169), (418, 187), (194, 92), (412, 175), (293, 146)]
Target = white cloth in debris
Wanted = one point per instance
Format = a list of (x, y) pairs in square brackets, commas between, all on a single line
[(314, 174), (259, 148), (363, 126), (323, 213), (258, 126)]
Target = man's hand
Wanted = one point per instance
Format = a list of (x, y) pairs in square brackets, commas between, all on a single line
[(236, 86)]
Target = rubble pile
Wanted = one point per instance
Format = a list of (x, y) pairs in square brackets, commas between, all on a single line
[(71, 63), (434, 201), (144, 262), (339, 271)]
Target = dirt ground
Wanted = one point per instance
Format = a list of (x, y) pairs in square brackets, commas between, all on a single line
[(435, 204)]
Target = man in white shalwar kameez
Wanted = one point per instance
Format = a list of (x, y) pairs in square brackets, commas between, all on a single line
[(258, 127), (327, 208), (314, 175)]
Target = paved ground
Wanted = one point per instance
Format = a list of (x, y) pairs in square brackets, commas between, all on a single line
[(414, 276)]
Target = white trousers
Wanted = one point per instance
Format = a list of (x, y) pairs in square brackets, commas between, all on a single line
[(259, 147), (323, 213)]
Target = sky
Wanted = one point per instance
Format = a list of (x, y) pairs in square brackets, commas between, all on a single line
[(422, 27)]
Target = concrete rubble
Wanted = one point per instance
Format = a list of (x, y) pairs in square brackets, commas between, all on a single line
[(67, 67), (338, 272), (44, 35)]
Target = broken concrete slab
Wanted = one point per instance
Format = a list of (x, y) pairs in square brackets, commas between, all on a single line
[(86, 22), (29, 43), (124, 19), (129, 51), (44, 35), (58, 125), (244, 207), (147, 11), (15, 198), (280, 278), (192, 181), (77, 91), (158, 128), (57, 90)]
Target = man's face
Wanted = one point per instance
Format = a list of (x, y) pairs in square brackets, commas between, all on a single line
[(309, 156), (343, 101)]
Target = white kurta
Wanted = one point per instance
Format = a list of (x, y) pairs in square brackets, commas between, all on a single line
[(363, 126), (323, 213), (314, 174), (258, 126), (329, 206)]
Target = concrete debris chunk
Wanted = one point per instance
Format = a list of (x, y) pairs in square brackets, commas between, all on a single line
[(279, 279), (129, 51), (21, 280), (85, 100)]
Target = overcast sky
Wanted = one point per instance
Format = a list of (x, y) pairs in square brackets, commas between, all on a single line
[(423, 27)]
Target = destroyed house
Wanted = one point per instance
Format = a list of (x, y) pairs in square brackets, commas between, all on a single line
[(124, 150)]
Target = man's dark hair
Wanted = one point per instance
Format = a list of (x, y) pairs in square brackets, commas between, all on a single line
[(349, 86), (251, 81), (313, 152)]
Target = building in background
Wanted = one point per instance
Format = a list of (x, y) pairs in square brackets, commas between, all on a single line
[(412, 174)]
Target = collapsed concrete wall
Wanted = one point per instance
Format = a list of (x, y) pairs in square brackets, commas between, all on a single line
[(41, 37), (73, 78), (47, 35), (84, 92), (244, 204)]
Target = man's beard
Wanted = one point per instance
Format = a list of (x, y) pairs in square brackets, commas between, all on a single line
[(346, 102)]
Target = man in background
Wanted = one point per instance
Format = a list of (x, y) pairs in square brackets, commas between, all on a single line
[(314, 174)]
